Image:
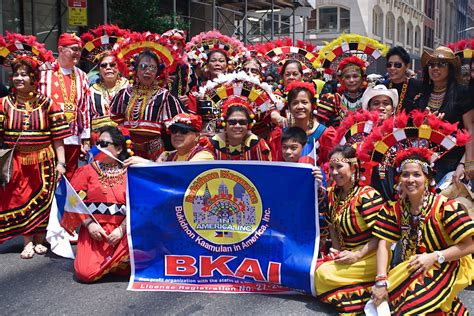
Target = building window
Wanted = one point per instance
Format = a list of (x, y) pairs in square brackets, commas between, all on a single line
[(332, 20), (417, 36), (401, 30), (377, 21), (410, 34), (328, 20), (285, 25), (428, 37), (390, 26)]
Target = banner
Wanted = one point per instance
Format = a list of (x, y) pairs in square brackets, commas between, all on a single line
[(236, 227)]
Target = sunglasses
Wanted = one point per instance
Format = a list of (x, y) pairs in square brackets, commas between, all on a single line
[(439, 64), (105, 65), (233, 122), (75, 49), (146, 67), (254, 71), (177, 129), (103, 143), (396, 64)]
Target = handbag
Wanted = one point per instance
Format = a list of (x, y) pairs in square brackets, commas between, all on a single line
[(6, 166)]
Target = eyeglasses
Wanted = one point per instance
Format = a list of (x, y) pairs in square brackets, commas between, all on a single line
[(396, 64), (105, 65), (104, 143), (254, 71), (240, 122), (75, 49), (146, 67), (439, 64), (177, 129)]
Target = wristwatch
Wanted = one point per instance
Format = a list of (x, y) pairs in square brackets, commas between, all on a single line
[(383, 283), (62, 164), (441, 258)]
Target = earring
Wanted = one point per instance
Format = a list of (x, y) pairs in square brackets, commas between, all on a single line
[(353, 179)]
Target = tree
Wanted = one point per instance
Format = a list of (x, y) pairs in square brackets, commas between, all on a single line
[(143, 15)]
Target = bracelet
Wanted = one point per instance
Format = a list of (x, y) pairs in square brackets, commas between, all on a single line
[(381, 284), (62, 164)]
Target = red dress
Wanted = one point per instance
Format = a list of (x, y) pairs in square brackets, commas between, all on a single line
[(26, 200), (105, 198), (253, 148)]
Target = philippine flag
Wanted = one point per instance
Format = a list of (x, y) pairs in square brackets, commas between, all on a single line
[(71, 210), (98, 153)]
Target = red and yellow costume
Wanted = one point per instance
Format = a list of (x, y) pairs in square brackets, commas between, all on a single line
[(443, 224), (70, 89), (26, 200), (347, 286), (253, 148), (101, 98), (104, 195)]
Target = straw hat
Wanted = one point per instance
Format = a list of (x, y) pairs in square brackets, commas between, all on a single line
[(445, 54), (379, 90)]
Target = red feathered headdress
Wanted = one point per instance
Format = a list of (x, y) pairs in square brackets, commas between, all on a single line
[(404, 132), (15, 46), (135, 43), (101, 40), (463, 48), (351, 61), (201, 45)]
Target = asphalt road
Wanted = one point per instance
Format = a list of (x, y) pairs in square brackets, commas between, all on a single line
[(45, 285)]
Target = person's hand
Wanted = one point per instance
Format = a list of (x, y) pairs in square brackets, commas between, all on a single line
[(60, 171), (184, 100), (422, 262), (347, 257), (458, 174), (85, 146), (438, 115), (134, 160), (96, 231), (379, 294), (115, 236), (318, 176)]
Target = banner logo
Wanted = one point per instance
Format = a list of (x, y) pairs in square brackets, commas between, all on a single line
[(223, 207)]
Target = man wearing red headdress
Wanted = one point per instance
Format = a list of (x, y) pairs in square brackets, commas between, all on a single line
[(68, 86)]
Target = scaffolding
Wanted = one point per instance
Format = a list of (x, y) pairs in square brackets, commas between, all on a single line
[(250, 21)]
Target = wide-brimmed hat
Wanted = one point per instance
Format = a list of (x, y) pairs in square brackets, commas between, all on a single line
[(445, 54), (379, 90)]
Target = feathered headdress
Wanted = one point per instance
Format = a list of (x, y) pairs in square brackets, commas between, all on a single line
[(201, 45), (253, 52), (258, 94), (331, 54), (416, 130), (128, 50), (356, 127), (14, 47), (463, 48), (100, 40), (280, 50)]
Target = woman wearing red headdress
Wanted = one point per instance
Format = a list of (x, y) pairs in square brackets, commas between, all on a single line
[(34, 126), (332, 108), (434, 242), (98, 46), (237, 142), (144, 106)]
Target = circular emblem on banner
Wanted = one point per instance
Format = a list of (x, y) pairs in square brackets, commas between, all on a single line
[(223, 206)]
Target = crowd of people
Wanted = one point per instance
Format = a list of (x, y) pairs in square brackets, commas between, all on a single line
[(378, 149)]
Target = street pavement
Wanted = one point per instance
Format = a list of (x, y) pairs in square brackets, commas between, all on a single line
[(45, 285)]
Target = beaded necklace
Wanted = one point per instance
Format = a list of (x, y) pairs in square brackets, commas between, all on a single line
[(412, 227), (135, 108), (402, 96), (108, 94), (352, 103), (69, 107), (436, 99), (109, 174), (340, 205), (28, 106)]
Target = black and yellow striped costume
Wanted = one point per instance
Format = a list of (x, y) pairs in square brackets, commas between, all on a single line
[(347, 286), (446, 224)]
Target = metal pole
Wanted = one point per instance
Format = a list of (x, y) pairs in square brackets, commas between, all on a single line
[(106, 11), (272, 19), (213, 14), (22, 17), (174, 13), (304, 28), (294, 22), (244, 21), (58, 17)]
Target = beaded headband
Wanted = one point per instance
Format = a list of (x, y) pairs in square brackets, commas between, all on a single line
[(423, 164), (346, 160)]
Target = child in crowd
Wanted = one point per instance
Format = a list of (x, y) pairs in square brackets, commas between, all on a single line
[(293, 140)]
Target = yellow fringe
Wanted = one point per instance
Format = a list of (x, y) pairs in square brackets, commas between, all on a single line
[(32, 155)]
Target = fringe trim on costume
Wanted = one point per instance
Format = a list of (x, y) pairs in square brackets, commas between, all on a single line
[(31, 155)]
